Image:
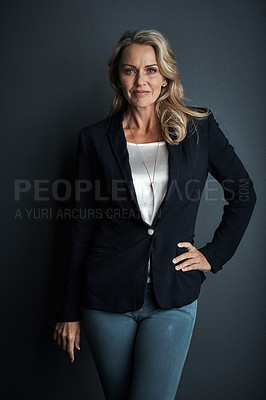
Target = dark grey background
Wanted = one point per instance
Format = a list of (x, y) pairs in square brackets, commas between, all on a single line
[(54, 81)]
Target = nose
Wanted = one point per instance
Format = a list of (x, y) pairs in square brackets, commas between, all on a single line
[(140, 78)]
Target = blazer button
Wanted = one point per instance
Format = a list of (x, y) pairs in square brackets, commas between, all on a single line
[(150, 231)]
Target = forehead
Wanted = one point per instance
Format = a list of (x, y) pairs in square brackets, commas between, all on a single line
[(138, 54)]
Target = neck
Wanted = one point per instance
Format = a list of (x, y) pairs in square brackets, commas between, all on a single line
[(144, 120)]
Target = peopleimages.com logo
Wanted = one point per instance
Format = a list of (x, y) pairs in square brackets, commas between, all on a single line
[(62, 190)]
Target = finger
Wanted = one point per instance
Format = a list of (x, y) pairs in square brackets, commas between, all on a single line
[(188, 245), (197, 265), (184, 264), (56, 332), (190, 268), (77, 341), (184, 256), (64, 343), (59, 339), (65, 339), (70, 350)]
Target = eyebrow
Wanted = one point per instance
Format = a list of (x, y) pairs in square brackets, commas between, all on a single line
[(130, 65)]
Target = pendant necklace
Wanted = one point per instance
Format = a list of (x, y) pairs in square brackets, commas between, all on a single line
[(151, 179)]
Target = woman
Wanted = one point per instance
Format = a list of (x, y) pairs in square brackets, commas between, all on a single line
[(134, 276)]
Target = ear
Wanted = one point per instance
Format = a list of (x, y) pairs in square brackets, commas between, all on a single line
[(165, 83)]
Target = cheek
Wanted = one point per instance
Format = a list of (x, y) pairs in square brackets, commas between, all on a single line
[(125, 90), (126, 84), (157, 83), (157, 88)]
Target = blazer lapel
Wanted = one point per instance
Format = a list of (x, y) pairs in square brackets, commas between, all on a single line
[(174, 166), (118, 143)]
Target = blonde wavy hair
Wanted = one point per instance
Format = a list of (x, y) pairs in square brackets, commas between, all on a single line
[(171, 110)]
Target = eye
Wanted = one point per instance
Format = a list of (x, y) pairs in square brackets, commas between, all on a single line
[(129, 71), (151, 70)]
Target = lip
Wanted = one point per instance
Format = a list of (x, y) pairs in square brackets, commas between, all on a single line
[(140, 92)]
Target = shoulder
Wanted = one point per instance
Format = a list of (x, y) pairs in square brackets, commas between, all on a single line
[(200, 110), (99, 130), (95, 128), (198, 124), (210, 134)]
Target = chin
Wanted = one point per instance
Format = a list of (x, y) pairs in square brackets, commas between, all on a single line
[(141, 104)]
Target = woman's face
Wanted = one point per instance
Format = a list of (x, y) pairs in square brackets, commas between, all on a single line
[(139, 75)]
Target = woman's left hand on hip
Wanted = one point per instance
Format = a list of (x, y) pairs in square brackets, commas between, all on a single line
[(194, 259)]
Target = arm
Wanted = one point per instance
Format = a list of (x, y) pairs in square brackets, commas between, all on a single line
[(228, 170), (81, 233), (225, 166)]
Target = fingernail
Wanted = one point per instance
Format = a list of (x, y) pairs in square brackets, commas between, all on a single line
[(178, 244), (174, 261), (72, 360), (78, 348)]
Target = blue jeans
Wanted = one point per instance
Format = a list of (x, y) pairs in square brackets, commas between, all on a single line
[(140, 355)]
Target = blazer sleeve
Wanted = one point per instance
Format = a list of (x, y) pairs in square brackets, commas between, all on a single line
[(225, 166), (81, 232)]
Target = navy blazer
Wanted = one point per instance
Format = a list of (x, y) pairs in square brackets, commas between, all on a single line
[(111, 243)]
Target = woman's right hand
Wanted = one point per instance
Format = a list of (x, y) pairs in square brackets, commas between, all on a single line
[(67, 336)]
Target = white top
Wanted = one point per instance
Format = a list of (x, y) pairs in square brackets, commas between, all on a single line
[(141, 178)]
